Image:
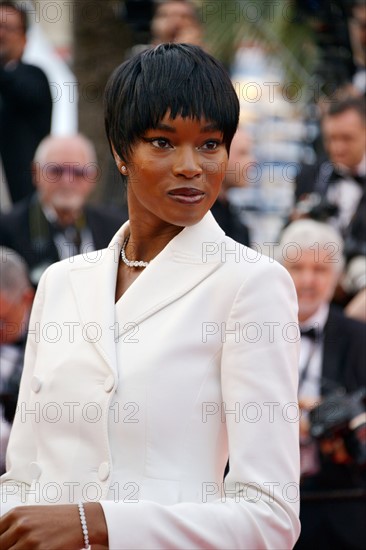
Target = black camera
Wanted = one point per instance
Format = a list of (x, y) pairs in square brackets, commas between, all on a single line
[(342, 415), (316, 207)]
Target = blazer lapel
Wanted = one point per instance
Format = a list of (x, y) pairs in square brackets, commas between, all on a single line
[(188, 259), (94, 286)]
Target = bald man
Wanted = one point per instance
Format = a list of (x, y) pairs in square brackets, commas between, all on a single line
[(56, 222)]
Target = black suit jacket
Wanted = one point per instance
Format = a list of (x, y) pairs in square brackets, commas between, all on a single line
[(314, 178), (343, 366), (344, 353), (25, 119), (26, 230), (229, 221), (328, 522)]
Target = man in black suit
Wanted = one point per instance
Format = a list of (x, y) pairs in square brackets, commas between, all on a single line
[(332, 357), (25, 103), (334, 189), (55, 223)]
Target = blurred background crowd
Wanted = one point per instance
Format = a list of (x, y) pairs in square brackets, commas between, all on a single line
[(294, 189)]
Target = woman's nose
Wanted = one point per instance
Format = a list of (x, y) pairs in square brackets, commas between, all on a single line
[(187, 163)]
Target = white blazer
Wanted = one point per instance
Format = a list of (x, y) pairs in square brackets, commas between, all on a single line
[(139, 404)]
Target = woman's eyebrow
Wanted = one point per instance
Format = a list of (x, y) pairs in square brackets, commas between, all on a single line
[(166, 127), (208, 128), (213, 127)]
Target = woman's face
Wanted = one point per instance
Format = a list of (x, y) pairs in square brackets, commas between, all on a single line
[(175, 172)]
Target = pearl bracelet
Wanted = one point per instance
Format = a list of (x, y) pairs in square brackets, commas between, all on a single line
[(84, 526)]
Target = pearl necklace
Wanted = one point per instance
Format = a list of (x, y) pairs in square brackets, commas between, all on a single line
[(131, 263)]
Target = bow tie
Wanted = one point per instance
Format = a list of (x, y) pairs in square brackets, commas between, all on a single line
[(337, 175), (71, 234), (361, 180), (311, 333)]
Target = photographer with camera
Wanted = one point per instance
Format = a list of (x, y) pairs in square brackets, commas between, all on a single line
[(332, 380)]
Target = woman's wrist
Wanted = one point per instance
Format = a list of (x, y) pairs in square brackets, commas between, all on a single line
[(84, 527), (97, 526)]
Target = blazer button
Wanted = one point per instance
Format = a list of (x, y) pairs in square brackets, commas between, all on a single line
[(35, 470), (36, 384), (103, 471), (109, 383)]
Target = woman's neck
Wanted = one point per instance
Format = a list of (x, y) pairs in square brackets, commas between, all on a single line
[(146, 241)]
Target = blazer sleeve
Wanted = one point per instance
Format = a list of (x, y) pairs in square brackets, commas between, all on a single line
[(21, 450), (260, 505)]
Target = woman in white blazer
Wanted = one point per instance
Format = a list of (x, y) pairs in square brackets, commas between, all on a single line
[(151, 362)]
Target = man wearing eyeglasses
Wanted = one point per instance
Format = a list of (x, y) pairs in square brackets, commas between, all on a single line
[(25, 103), (55, 223)]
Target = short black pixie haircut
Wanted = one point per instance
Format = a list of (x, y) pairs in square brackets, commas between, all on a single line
[(179, 78)]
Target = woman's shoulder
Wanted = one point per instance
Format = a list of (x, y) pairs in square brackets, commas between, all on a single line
[(88, 260), (255, 278), (245, 261)]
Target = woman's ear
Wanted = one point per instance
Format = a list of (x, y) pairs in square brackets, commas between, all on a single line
[(119, 162)]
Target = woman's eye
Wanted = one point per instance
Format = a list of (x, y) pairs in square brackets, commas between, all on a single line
[(211, 145), (160, 143)]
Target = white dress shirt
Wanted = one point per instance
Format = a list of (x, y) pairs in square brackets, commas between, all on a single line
[(311, 353), (346, 194), (310, 377)]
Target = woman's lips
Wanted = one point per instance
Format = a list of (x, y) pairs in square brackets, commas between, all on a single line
[(187, 195)]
